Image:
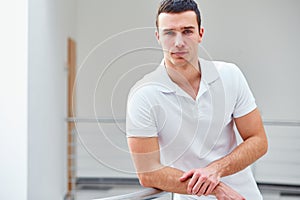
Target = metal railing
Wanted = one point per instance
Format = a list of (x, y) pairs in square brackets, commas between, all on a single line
[(123, 120), (106, 120), (281, 122), (143, 194)]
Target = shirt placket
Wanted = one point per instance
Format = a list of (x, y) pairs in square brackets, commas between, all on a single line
[(197, 103)]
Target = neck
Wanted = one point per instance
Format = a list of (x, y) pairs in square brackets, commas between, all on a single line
[(186, 76), (184, 66)]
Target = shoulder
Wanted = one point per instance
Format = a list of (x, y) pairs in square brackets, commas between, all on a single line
[(152, 85), (226, 68), (230, 74), (228, 71), (219, 69), (147, 88)]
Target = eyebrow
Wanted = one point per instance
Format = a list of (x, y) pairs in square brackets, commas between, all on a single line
[(183, 28), (188, 27)]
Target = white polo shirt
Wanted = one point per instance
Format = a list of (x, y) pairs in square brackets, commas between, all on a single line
[(193, 133)]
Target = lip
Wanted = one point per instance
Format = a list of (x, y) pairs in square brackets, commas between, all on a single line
[(179, 53)]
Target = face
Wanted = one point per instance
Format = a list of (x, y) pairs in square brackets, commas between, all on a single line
[(179, 37)]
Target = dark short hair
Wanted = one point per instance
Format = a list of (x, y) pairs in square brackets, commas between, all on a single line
[(178, 6)]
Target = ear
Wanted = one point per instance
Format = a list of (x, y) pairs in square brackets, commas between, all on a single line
[(157, 36), (201, 33)]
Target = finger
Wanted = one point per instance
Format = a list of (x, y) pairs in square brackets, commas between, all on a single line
[(201, 187), (187, 175), (192, 182), (211, 188), (198, 186)]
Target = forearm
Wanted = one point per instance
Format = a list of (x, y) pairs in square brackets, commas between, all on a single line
[(165, 178), (146, 157), (254, 145), (204, 181), (241, 157)]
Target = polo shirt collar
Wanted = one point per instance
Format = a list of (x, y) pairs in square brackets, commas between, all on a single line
[(209, 74), (209, 71)]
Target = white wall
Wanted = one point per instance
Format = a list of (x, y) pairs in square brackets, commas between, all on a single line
[(105, 31), (51, 22), (13, 100), (261, 37)]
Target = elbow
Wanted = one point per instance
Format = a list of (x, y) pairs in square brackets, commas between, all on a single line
[(264, 147), (145, 180)]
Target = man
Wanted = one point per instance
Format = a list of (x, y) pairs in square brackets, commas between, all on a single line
[(181, 117)]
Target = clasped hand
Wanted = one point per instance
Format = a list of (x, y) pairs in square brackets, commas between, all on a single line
[(206, 181), (202, 181)]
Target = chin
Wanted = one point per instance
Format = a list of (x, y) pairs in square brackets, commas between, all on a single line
[(176, 61), (179, 61)]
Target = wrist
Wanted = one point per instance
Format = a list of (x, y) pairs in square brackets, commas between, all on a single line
[(216, 169), (218, 188), (219, 167)]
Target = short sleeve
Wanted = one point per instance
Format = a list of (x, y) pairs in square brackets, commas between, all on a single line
[(245, 101), (140, 120)]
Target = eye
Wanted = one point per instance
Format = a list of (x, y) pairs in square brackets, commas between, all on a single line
[(169, 33), (188, 32)]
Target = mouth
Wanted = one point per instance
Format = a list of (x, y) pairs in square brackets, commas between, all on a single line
[(179, 53)]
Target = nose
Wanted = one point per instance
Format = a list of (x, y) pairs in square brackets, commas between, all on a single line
[(179, 40)]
